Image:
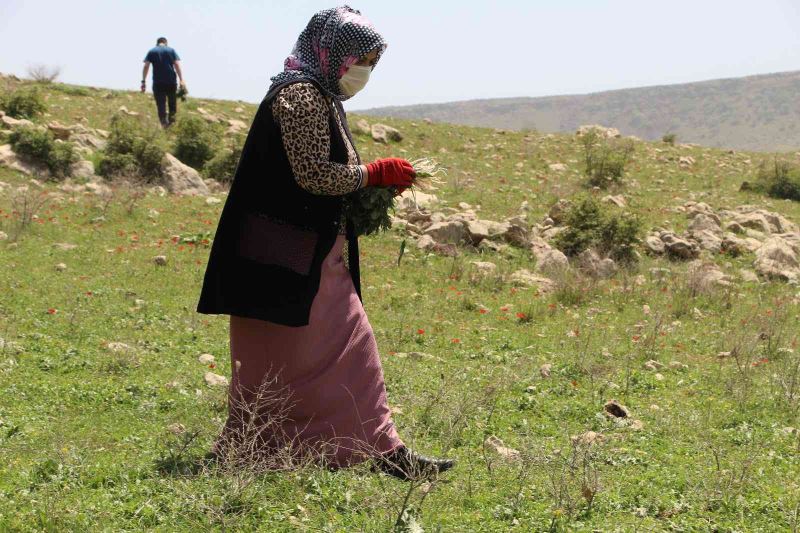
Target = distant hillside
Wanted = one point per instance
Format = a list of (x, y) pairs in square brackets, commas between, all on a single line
[(751, 113)]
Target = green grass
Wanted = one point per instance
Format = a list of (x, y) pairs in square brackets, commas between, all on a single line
[(84, 443)]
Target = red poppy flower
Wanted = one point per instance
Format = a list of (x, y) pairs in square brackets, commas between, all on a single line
[(522, 316), (420, 331), (456, 341), (52, 311), (482, 311)]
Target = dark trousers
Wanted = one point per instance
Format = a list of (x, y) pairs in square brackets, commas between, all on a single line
[(163, 93)]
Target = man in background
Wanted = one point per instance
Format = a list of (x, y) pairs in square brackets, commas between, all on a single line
[(166, 64)]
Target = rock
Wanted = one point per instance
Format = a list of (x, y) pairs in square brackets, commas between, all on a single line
[(206, 358), (412, 200), (706, 276), (654, 244), (777, 259), (118, 347), (679, 248), (591, 264), (748, 276), (608, 133), (653, 365), (211, 200), (617, 200), (215, 380), (363, 127), (64, 246), (551, 261), (59, 131), (558, 210), (83, 169), (124, 110), (160, 260), (527, 278), (176, 429), (516, 232), (498, 446), (3, 236), (703, 222), (88, 141), (686, 161), (756, 221), (614, 409), (587, 439), (8, 158), (15, 123), (181, 179), (452, 232), (708, 240), (235, 125), (478, 230), (61, 267), (558, 167), (485, 268), (677, 365), (545, 369), (383, 133), (426, 243), (487, 245)]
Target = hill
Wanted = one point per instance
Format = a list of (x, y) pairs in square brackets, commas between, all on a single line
[(496, 350), (750, 113)]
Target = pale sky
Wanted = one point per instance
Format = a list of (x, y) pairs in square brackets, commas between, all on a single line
[(439, 50)]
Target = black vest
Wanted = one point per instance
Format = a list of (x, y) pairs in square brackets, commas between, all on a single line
[(273, 235)]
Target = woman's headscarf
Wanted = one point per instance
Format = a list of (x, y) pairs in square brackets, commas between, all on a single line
[(333, 40)]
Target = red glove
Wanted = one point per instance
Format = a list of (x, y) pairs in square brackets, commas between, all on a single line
[(390, 172)]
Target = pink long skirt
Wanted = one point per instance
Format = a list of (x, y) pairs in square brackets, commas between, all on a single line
[(318, 390)]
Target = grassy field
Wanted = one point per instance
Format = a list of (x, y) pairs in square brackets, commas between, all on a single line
[(88, 428)]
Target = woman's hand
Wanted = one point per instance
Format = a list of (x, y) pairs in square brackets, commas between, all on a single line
[(390, 172)]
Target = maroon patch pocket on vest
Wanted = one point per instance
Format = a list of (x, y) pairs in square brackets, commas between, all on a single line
[(273, 243)]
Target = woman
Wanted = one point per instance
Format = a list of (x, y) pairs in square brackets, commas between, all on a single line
[(307, 376)]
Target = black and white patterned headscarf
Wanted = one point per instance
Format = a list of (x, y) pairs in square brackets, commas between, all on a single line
[(333, 40)]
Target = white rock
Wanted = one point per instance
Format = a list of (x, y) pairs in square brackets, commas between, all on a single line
[(215, 380), (61, 267), (211, 200), (206, 358), (82, 169), (452, 232), (3, 236), (160, 260), (383, 133), (180, 178), (496, 445), (777, 259)]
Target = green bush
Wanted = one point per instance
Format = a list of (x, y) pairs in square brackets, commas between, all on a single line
[(41, 147), (222, 166), (669, 138), (24, 103), (778, 179), (605, 159), (591, 224), (196, 141), (132, 150)]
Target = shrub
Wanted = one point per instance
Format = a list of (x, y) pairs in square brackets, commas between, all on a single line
[(132, 150), (43, 74), (669, 138), (196, 141), (222, 166), (605, 159), (591, 224), (778, 178), (24, 103), (41, 146)]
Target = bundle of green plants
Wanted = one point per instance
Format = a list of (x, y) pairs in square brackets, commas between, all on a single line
[(133, 150), (591, 224), (40, 146), (369, 208), (222, 167), (196, 141), (605, 159), (26, 102), (777, 178)]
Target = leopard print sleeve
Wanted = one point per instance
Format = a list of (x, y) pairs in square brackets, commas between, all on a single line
[(302, 114)]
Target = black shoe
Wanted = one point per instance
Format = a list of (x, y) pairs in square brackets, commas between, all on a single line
[(406, 465)]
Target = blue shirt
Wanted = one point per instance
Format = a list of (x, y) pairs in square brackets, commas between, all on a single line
[(163, 59)]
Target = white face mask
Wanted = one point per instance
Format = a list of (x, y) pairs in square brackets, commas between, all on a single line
[(354, 79)]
